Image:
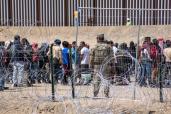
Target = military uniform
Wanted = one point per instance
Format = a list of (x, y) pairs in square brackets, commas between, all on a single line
[(122, 67), (97, 58)]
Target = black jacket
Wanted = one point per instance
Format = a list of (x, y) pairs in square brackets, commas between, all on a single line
[(17, 52)]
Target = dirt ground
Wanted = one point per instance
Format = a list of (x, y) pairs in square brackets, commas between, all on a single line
[(87, 34), (37, 100)]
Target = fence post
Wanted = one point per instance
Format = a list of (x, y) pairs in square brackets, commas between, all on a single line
[(137, 54), (76, 39), (160, 80), (51, 72)]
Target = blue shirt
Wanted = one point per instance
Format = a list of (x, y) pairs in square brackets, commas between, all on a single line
[(65, 56)]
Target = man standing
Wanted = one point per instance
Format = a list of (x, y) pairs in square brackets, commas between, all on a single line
[(35, 63), (18, 62), (75, 56), (97, 57), (145, 61), (2, 66), (167, 66), (57, 59), (84, 56), (65, 61)]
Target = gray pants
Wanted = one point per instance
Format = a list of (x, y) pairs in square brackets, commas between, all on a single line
[(18, 72)]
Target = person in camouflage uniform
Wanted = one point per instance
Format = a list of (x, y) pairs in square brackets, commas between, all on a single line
[(122, 65), (97, 57)]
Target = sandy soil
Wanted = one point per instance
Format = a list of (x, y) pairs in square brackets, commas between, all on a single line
[(87, 34), (37, 100)]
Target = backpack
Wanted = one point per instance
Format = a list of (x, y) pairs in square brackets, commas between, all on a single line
[(153, 52), (100, 53)]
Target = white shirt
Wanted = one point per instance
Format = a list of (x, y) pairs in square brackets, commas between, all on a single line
[(115, 49), (167, 54), (147, 55), (85, 52)]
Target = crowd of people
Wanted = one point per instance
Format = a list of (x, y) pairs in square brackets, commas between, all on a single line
[(30, 63)]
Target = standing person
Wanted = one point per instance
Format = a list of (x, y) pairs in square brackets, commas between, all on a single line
[(57, 59), (167, 72), (115, 49), (43, 62), (116, 45), (27, 59), (65, 61), (35, 63), (132, 49), (84, 56), (156, 55), (75, 56), (18, 62), (122, 65), (146, 63), (2, 66), (98, 56)]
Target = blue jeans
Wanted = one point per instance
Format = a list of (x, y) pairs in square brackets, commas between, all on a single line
[(18, 72), (145, 73)]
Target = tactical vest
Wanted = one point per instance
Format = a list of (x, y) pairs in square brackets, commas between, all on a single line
[(101, 51)]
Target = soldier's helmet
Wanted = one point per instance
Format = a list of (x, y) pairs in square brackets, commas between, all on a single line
[(100, 37)]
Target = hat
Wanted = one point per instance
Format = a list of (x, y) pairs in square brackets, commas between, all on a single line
[(57, 41), (100, 36)]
